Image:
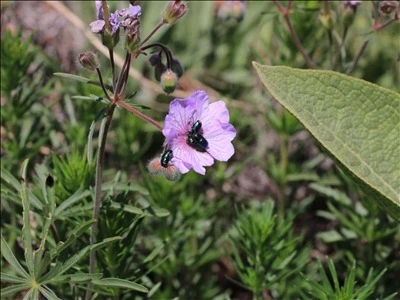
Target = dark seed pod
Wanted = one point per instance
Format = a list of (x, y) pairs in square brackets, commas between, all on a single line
[(159, 70), (176, 67)]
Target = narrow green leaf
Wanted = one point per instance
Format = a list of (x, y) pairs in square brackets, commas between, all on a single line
[(11, 259), (90, 150), (157, 211), (11, 278), (125, 207), (355, 121), (72, 237), (80, 79), (59, 270), (78, 277), (48, 293), (120, 283), (105, 242), (73, 77), (32, 294), (11, 180), (65, 205), (91, 98), (26, 228), (11, 290), (332, 270)]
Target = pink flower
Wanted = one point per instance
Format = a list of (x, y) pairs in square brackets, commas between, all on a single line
[(215, 129)]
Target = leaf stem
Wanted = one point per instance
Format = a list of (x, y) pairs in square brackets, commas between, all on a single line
[(285, 14), (158, 26), (137, 113), (102, 84), (97, 194)]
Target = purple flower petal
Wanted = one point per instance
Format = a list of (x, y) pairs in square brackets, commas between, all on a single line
[(99, 10), (97, 26), (219, 137), (216, 129), (114, 22), (134, 11)]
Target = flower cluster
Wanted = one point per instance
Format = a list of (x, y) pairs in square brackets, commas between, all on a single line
[(133, 12), (198, 133)]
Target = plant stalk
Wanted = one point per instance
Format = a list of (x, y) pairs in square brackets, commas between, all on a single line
[(97, 194), (285, 14), (137, 113), (102, 84), (159, 25)]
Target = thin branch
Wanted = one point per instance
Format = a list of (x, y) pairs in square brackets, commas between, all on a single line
[(379, 27), (159, 25), (111, 51), (102, 84), (97, 194), (285, 14), (137, 113), (121, 75), (357, 58)]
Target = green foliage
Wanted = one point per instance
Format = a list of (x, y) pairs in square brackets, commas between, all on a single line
[(72, 172), (331, 289), (183, 239), (46, 266), (264, 249), (328, 104), (21, 114)]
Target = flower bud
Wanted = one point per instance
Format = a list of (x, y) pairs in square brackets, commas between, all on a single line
[(170, 172), (89, 60), (169, 81), (154, 166), (132, 35), (176, 67), (388, 7), (173, 11)]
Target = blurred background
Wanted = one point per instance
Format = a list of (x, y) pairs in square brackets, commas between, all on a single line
[(277, 167)]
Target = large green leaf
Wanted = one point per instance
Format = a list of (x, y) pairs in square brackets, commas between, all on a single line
[(357, 122)]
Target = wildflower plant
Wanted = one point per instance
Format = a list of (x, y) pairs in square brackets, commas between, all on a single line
[(196, 132)]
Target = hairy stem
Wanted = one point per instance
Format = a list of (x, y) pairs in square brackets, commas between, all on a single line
[(102, 84), (137, 113), (159, 25), (285, 14), (97, 194), (121, 74), (112, 67)]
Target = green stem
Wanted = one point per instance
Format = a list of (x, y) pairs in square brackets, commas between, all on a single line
[(102, 84), (97, 194), (111, 52), (285, 14), (159, 25), (283, 170)]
